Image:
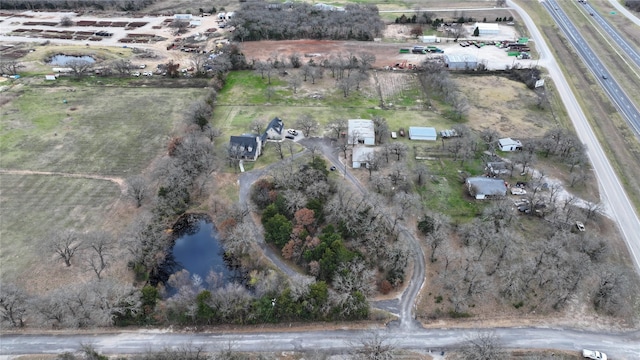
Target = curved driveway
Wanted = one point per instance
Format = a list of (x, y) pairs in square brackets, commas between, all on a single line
[(617, 345)]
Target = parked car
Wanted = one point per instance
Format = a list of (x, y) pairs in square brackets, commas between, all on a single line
[(595, 355), (142, 66), (292, 132), (394, 135), (333, 168), (136, 74), (580, 225), (401, 132)]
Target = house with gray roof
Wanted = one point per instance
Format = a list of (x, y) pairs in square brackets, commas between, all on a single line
[(486, 188), (245, 147), (274, 130)]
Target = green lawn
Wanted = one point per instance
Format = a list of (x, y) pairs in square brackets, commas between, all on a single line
[(104, 131), (33, 205), (101, 130)]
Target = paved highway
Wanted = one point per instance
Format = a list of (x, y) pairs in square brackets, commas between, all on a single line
[(613, 33), (616, 345), (611, 87), (612, 193)]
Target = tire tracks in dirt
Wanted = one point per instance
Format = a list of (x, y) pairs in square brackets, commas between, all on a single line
[(119, 181)]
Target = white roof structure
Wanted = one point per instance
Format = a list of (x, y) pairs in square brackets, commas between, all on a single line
[(361, 155), (422, 133), (362, 130), (460, 58), (488, 28), (509, 144)]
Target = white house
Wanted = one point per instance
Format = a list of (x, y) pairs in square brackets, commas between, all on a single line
[(487, 28), (509, 144), (360, 156), (422, 133), (361, 131)]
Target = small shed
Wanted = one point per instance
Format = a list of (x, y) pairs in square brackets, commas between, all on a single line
[(422, 133), (185, 17), (429, 39), (362, 131), (50, 77), (488, 28), (360, 156), (486, 188), (461, 61), (509, 144)]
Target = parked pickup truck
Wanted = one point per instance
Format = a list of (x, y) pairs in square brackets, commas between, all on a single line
[(595, 355)]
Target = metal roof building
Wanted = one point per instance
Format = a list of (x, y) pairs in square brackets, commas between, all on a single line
[(362, 131), (483, 187), (461, 62), (360, 156), (422, 133), (488, 28)]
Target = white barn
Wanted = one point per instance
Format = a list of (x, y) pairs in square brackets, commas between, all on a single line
[(509, 144), (361, 131), (461, 62), (360, 156), (422, 133), (488, 28)]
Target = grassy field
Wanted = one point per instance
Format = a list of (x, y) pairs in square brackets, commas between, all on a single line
[(33, 205), (100, 131)]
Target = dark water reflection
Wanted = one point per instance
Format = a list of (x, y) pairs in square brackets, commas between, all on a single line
[(62, 60), (198, 250)]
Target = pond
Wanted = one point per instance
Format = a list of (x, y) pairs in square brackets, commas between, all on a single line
[(198, 251), (63, 60)]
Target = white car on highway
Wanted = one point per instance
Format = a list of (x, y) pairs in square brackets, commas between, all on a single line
[(595, 355)]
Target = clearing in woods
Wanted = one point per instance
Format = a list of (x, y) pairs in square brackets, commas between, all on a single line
[(61, 162)]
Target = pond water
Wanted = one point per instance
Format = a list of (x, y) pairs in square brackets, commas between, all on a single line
[(198, 251), (62, 60)]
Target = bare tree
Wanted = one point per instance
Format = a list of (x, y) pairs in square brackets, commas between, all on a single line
[(264, 69), (614, 292), (13, 304), (65, 243), (489, 137), (337, 127), (79, 67), (180, 25), (421, 171), (257, 126), (373, 346), (66, 21), (269, 92), (399, 149), (294, 82), (199, 113), (98, 245), (307, 124), (122, 67), (10, 67), (137, 189), (482, 346)]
